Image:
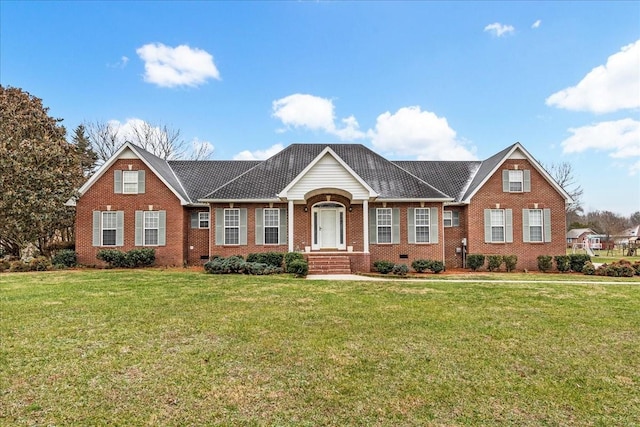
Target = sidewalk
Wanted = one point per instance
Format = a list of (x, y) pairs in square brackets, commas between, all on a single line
[(355, 277)]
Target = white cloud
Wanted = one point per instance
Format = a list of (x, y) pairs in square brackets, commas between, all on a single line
[(498, 29), (536, 24), (201, 150), (621, 138), (314, 113), (412, 132), (259, 154), (607, 88), (177, 66), (119, 64)]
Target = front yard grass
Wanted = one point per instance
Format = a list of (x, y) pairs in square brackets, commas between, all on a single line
[(163, 347)]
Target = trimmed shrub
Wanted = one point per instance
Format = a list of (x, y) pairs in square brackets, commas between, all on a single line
[(545, 263), (270, 258), (562, 263), (437, 266), (588, 268), (510, 262), (616, 269), (421, 265), (289, 257), (255, 268), (383, 267), (65, 258), (234, 264), (636, 267), (113, 257), (144, 257), (298, 267), (215, 266), (475, 261), (4, 265), (494, 262), (577, 261), (400, 269), (39, 264), (19, 267)]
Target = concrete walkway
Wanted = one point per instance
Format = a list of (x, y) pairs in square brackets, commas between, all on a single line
[(356, 277)]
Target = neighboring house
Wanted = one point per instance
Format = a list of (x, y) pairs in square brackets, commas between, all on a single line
[(578, 236), (342, 200), (630, 234)]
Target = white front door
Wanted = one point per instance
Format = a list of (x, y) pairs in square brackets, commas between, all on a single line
[(328, 226)]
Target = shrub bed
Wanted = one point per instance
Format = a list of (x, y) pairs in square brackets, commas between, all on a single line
[(134, 258)]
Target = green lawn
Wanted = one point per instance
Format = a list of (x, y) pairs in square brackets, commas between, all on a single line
[(163, 347)]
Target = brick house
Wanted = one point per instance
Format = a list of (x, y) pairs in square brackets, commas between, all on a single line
[(338, 200)]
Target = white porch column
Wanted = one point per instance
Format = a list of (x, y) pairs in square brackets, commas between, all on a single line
[(365, 225), (290, 226)]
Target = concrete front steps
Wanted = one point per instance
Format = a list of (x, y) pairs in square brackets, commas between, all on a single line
[(329, 264)]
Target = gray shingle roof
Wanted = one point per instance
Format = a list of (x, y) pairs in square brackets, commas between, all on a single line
[(450, 177), (199, 177), (198, 180), (270, 177)]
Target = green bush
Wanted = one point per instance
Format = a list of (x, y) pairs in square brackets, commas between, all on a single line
[(289, 257), (616, 269), (437, 266), (400, 269), (494, 262), (215, 266), (255, 268), (270, 258), (298, 267), (588, 268), (144, 257), (383, 267), (510, 262), (577, 261), (135, 258), (545, 263), (562, 263), (4, 265), (636, 267), (65, 258), (113, 257), (421, 265), (475, 261)]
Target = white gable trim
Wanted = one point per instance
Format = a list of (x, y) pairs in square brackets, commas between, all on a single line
[(284, 193), (121, 153), (519, 152)]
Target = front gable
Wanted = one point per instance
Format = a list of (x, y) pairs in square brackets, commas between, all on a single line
[(156, 165), (327, 170)]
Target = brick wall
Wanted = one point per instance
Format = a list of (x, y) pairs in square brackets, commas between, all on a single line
[(392, 252), (453, 238), (197, 239), (101, 195), (541, 193)]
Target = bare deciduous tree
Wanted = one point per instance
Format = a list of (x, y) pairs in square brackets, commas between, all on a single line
[(563, 175), (161, 140)]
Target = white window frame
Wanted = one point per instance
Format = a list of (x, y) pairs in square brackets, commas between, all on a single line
[(230, 226), (104, 228), (516, 176), (266, 226), (498, 226), (421, 224), (533, 226), (203, 217), (130, 178), (147, 217), (384, 211)]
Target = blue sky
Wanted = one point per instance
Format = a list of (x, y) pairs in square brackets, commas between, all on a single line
[(414, 80)]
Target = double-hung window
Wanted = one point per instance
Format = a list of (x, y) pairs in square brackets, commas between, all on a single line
[(384, 224), (232, 226), (151, 228), (203, 219), (130, 182), (109, 228), (271, 226), (451, 218), (422, 221), (497, 225), (516, 181), (535, 225)]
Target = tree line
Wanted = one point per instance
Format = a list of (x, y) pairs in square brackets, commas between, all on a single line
[(41, 169)]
